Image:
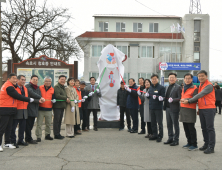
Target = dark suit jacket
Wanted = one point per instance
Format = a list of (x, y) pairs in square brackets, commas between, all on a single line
[(175, 94)]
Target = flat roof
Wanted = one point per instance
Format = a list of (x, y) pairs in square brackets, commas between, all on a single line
[(136, 16), (88, 34)]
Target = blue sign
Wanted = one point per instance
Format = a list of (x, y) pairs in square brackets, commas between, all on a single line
[(179, 66)]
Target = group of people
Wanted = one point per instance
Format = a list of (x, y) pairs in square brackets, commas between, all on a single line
[(180, 104), (21, 104)]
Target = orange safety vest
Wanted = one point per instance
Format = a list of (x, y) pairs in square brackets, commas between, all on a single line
[(22, 104), (47, 95), (5, 99), (80, 96), (139, 100), (207, 101), (188, 94)]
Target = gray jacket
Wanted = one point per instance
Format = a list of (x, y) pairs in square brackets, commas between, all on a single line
[(94, 99), (147, 115), (175, 94), (33, 108)]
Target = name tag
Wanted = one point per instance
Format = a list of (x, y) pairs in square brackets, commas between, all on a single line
[(155, 91)]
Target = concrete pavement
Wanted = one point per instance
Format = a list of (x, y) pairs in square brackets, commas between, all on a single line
[(113, 149)]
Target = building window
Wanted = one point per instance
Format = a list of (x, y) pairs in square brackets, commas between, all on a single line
[(96, 50), (123, 49), (126, 77), (103, 26), (196, 51), (196, 26), (196, 55), (144, 75), (94, 74), (145, 52), (120, 26), (170, 54), (137, 27), (153, 27)]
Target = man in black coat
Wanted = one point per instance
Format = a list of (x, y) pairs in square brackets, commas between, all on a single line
[(121, 104), (156, 95), (172, 107)]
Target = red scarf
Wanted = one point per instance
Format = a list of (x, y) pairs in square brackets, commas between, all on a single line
[(34, 86)]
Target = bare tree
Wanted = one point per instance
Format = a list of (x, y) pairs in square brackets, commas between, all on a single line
[(34, 30)]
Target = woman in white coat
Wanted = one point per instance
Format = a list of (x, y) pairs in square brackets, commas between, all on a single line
[(147, 116)]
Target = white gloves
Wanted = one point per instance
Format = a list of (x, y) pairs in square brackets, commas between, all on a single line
[(117, 107), (138, 92), (72, 109), (54, 100), (83, 100), (170, 100), (79, 101), (90, 94), (97, 90), (154, 97), (128, 89), (160, 98), (31, 100), (147, 95), (75, 101), (85, 97)]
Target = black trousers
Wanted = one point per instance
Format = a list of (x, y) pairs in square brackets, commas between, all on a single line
[(157, 118), (207, 126), (28, 130), (191, 133), (5, 128), (149, 128), (77, 127), (57, 121), (218, 104), (143, 124), (21, 131), (134, 115), (94, 117), (122, 111), (84, 119)]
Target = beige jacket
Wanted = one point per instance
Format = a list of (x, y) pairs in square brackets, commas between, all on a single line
[(72, 118)]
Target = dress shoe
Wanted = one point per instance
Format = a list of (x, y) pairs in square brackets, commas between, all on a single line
[(58, 137), (61, 136), (147, 136), (32, 142), (85, 130), (95, 129), (16, 145), (129, 129), (48, 137), (168, 142), (203, 148), (153, 138), (175, 143), (77, 133), (22, 143), (209, 150), (142, 132), (159, 139), (38, 140), (134, 131), (70, 136)]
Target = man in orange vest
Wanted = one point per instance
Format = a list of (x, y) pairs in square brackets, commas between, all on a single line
[(45, 109), (188, 113), (22, 114), (8, 108), (207, 109)]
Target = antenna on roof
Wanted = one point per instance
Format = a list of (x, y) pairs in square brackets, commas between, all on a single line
[(195, 7)]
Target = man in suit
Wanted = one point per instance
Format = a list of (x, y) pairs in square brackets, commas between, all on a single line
[(93, 106), (172, 107)]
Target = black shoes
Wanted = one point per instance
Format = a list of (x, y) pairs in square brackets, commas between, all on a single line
[(38, 140), (129, 129), (95, 129), (134, 131), (58, 137), (209, 150), (159, 139), (203, 148), (16, 145), (153, 138), (48, 137), (174, 143), (22, 143), (168, 142), (32, 142), (70, 136), (142, 132)]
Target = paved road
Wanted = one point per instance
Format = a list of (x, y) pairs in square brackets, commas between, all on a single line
[(111, 149)]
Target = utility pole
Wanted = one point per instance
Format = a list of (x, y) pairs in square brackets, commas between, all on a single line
[(195, 7)]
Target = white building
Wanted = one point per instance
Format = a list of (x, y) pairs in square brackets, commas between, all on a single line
[(146, 41)]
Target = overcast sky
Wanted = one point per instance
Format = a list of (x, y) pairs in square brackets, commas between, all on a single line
[(83, 10)]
